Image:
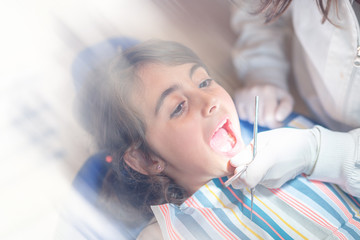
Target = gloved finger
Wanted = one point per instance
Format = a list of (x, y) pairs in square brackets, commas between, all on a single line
[(269, 111), (281, 179), (250, 112), (256, 170), (240, 104), (241, 112), (284, 108), (238, 184), (274, 183), (262, 106), (242, 158), (275, 124)]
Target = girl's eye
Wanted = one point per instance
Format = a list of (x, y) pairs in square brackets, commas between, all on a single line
[(205, 83), (178, 110)]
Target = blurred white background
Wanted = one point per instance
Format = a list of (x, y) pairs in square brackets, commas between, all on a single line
[(42, 145)]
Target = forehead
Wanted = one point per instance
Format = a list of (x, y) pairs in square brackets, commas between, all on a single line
[(154, 78), (157, 74)]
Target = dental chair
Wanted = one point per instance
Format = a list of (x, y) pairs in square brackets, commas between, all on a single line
[(86, 219), (82, 217)]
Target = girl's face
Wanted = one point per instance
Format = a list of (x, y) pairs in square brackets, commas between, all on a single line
[(191, 122)]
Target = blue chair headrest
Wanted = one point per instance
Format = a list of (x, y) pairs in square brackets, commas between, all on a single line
[(95, 55)]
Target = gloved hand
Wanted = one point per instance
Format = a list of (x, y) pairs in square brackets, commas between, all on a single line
[(275, 104), (282, 154)]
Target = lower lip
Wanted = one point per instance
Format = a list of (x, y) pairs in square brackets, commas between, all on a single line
[(234, 150)]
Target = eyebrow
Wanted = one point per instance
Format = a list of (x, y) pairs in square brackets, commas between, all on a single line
[(171, 89), (193, 69), (166, 93)]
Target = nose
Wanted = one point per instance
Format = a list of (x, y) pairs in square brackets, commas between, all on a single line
[(210, 104)]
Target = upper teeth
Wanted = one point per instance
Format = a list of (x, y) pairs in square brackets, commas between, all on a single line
[(221, 125)]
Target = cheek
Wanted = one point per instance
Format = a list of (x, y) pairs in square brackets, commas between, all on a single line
[(227, 98), (181, 136), (229, 103), (169, 142)]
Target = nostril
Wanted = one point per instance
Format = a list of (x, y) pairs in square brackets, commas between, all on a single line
[(213, 108), (209, 104)]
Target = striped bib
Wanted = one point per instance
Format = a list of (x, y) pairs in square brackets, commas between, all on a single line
[(300, 209)]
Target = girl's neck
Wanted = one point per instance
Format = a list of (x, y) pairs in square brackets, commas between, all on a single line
[(193, 188)]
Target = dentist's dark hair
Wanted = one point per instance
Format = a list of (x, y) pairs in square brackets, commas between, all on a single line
[(275, 8)]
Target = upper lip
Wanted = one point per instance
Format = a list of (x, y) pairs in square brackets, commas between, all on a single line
[(221, 124)]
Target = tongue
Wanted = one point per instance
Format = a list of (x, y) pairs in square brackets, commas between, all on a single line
[(221, 141)]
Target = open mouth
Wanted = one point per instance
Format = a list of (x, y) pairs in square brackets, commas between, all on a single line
[(223, 139)]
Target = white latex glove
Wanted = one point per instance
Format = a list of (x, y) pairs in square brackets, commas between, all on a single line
[(282, 154), (275, 104)]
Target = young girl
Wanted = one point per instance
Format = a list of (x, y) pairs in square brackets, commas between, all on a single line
[(170, 129), (167, 124)]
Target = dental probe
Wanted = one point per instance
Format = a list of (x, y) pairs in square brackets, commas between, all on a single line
[(252, 190), (238, 174)]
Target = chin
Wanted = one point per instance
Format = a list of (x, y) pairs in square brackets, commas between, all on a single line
[(225, 168), (234, 151)]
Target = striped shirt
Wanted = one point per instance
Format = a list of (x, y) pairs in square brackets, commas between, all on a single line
[(300, 209)]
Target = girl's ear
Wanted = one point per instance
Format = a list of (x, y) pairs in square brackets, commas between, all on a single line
[(137, 161)]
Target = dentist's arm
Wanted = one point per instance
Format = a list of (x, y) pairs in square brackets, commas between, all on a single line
[(262, 65), (319, 153)]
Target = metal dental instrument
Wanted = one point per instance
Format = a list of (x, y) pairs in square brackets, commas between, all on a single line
[(238, 174), (255, 131)]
